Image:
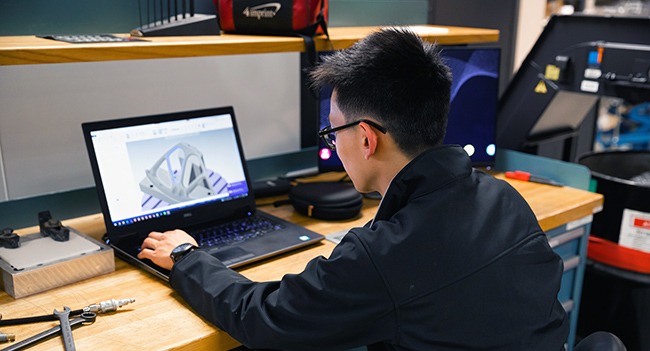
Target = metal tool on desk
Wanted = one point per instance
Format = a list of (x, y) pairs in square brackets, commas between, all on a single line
[(101, 307), (86, 318), (66, 329), (7, 337)]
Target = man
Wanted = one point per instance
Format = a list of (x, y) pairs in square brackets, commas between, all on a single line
[(453, 260)]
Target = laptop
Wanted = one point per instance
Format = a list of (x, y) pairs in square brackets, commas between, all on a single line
[(183, 170)]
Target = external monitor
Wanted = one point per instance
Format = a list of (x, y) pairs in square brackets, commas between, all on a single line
[(472, 113)]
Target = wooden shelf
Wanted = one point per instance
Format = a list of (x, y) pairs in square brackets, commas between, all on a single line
[(20, 50)]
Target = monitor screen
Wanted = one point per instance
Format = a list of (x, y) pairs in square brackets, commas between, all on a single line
[(472, 112)]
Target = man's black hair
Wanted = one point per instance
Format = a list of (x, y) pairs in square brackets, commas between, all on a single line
[(397, 79)]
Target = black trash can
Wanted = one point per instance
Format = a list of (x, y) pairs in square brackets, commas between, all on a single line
[(623, 177), (616, 299)]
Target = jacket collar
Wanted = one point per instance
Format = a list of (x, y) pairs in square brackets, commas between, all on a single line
[(426, 173)]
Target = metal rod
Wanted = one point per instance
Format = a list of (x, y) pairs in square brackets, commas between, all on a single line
[(140, 12), (148, 13)]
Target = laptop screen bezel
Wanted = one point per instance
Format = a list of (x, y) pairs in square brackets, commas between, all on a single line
[(179, 218)]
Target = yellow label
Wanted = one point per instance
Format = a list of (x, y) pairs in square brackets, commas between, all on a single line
[(541, 87), (552, 72)]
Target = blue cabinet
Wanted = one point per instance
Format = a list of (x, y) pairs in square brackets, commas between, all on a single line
[(569, 241)]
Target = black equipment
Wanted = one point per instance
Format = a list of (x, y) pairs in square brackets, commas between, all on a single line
[(551, 105)]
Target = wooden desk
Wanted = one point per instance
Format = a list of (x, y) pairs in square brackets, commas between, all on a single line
[(20, 50), (160, 320)]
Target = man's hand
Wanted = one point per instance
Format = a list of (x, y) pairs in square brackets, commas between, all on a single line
[(157, 246)]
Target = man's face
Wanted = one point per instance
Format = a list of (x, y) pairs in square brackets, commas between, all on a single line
[(337, 119), (347, 144)]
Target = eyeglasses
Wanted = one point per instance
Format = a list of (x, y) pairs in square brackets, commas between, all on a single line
[(328, 134)]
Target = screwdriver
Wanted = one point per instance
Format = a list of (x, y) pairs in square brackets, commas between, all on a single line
[(527, 177), (101, 307)]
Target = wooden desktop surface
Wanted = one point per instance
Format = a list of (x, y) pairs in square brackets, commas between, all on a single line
[(19, 50), (160, 320)]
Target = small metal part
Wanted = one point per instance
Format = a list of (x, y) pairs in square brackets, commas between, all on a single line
[(7, 337), (108, 305), (52, 227), (9, 239), (66, 329), (86, 318)]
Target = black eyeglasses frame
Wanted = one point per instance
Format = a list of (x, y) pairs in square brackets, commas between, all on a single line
[(325, 132)]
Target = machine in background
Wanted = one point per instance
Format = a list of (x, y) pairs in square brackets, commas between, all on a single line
[(578, 66)]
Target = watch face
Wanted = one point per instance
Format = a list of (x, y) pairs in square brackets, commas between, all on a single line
[(180, 250)]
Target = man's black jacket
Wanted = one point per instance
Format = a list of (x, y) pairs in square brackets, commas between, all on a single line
[(453, 260)]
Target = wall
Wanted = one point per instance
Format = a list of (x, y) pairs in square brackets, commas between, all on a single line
[(532, 18), (43, 107)]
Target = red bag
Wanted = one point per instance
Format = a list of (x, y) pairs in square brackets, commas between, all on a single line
[(273, 17)]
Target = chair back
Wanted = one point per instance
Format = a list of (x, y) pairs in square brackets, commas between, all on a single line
[(600, 341)]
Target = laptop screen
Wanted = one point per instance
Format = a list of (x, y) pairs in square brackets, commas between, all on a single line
[(150, 168)]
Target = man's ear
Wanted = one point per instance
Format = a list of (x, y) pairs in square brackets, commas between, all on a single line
[(370, 140)]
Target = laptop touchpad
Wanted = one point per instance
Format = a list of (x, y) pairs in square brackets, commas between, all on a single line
[(232, 255)]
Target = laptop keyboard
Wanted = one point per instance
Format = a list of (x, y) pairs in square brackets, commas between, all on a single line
[(236, 231)]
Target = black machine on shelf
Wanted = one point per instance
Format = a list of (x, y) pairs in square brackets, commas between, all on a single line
[(174, 18), (551, 106)]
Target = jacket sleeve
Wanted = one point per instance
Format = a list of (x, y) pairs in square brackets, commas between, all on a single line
[(335, 303)]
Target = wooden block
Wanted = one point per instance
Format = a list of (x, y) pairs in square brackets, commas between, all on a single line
[(41, 264)]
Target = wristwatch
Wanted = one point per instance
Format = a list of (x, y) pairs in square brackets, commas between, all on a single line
[(181, 250)]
